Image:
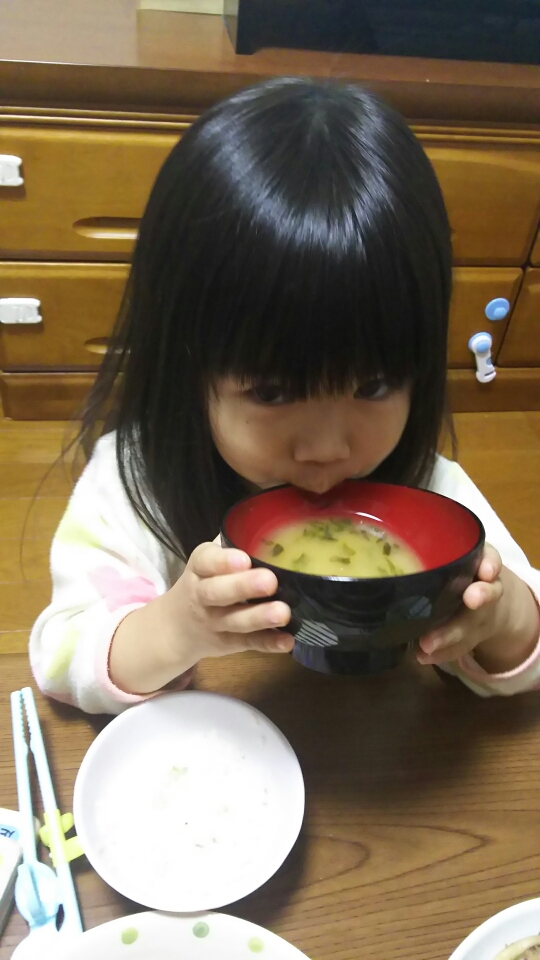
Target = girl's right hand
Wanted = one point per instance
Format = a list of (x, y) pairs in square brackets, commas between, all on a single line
[(209, 610), (205, 614)]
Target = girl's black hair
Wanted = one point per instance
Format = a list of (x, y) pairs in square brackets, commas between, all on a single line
[(296, 234)]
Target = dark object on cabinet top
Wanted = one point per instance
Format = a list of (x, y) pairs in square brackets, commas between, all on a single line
[(492, 30)]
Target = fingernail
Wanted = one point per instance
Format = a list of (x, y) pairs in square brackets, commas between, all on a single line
[(239, 561), (262, 584), (432, 644), (284, 644), (277, 618)]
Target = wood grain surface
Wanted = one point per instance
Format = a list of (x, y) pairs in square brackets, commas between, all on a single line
[(422, 814), (535, 255), (102, 52), (521, 345)]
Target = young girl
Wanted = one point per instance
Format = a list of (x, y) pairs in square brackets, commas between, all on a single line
[(285, 321)]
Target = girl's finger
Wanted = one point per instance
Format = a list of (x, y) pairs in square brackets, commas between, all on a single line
[(491, 564), (444, 655), (480, 593), (442, 639), (250, 618), (453, 640), (233, 588), (264, 641), (270, 642), (211, 560)]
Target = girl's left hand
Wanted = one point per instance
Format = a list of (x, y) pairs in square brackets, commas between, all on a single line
[(501, 621)]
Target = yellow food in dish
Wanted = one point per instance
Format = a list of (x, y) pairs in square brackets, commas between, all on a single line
[(338, 547), (526, 949)]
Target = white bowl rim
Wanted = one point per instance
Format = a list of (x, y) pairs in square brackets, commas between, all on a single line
[(124, 719), (524, 907)]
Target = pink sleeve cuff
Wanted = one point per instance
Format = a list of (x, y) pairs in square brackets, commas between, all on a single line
[(470, 668), (528, 670), (101, 664)]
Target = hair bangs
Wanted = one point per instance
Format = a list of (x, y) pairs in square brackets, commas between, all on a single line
[(316, 310)]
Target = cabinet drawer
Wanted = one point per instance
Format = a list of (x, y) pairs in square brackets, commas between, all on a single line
[(83, 192), (521, 347), (535, 255), (492, 194), (79, 303), (474, 288)]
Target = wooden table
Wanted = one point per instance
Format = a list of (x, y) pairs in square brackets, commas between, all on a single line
[(422, 815)]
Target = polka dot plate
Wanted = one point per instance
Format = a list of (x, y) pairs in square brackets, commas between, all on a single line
[(164, 936)]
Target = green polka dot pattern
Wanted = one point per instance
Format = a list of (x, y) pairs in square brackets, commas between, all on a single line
[(256, 945), (130, 935)]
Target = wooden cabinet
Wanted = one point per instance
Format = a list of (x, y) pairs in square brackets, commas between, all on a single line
[(92, 134), (84, 189), (535, 255), (474, 288), (492, 193), (521, 346), (79, 303)]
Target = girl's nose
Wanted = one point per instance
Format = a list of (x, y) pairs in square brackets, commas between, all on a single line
[(325, 442)]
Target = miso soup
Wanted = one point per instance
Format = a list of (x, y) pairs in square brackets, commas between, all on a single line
[(339, 547)]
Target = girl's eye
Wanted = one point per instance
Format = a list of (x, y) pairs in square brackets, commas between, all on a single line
[(268, 393), (373, 390)]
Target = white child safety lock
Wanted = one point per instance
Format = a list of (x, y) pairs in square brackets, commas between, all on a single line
[(20, 310), (480, 345), (10, 171)]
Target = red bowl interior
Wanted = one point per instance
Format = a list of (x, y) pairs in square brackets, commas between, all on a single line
[(438, 529)]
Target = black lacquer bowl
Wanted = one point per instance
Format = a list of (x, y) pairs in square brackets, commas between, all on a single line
[(351, 625)]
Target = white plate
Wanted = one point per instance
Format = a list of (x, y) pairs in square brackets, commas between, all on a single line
[(484, 943), (188, 802), (161, 936)]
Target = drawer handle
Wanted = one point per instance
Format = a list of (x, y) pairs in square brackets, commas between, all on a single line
[(497, 309), (10, 171), (480, 344), (108, 228), (16, 310), (97, 345)]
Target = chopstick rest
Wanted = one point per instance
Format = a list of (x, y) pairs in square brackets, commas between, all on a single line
[(70, 847)]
